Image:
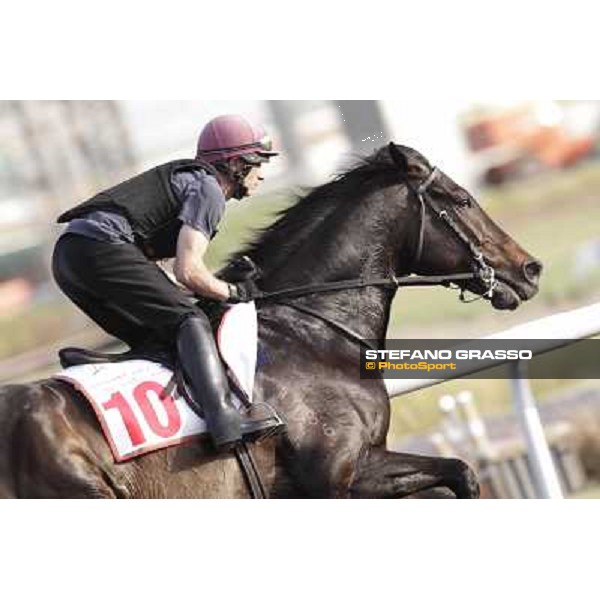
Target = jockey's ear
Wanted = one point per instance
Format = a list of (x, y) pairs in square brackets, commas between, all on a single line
[(398, 158)]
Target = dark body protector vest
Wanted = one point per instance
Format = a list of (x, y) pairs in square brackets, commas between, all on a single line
[(149, 204)]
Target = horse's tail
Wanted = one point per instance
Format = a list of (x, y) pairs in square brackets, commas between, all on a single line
[(13, 401)]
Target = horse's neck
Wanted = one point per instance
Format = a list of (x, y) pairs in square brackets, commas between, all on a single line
[(363, 246)]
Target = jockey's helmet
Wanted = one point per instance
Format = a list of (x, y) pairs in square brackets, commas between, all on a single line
[(231, 136)]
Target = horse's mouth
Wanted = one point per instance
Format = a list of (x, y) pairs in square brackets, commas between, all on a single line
[(505, 297), (509, 295)]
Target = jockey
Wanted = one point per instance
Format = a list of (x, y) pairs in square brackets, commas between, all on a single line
[(105, 261)]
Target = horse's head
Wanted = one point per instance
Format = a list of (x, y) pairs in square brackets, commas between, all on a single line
[(454, 234)]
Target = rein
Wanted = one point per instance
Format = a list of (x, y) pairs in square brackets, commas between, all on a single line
[(349, 284)]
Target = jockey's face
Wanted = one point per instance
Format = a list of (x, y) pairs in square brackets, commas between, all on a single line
[(253, 179)]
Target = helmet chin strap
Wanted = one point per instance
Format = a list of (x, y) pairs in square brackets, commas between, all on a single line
[(240, 191), (236, 179), (239, 177)]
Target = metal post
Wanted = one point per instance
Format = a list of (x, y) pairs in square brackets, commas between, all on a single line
[(452, 426), (544, 473), (476, 426)]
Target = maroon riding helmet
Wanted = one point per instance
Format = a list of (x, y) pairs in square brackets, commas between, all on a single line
[(229, 136)]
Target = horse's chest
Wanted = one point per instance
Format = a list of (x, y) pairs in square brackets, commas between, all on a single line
[(322, 397)]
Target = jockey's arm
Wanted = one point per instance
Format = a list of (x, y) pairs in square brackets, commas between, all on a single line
[(189, 267)]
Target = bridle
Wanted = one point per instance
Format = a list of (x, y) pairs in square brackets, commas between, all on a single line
[(482, 270)]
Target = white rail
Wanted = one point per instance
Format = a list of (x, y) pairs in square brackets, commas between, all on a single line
[(552, 332)]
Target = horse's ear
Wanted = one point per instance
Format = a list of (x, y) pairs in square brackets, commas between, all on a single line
[(398, 158)]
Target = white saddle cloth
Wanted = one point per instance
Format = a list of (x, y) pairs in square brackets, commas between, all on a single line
[(136, 411)]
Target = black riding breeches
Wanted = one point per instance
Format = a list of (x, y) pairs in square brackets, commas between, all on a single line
[(126, 294)]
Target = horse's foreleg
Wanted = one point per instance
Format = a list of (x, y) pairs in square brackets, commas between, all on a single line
[(383, 474)]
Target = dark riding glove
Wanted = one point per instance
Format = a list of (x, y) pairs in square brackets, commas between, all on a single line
[(243, 269), (244, 291)]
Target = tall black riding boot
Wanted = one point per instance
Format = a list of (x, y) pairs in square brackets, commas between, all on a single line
[(211, 396)]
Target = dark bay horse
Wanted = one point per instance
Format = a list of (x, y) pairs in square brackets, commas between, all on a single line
[(390, 214)]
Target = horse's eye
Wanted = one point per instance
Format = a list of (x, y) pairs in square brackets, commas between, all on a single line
[(464, 200)]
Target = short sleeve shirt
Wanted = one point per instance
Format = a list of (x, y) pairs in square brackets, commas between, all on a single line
[(203, 206), (203, 200)]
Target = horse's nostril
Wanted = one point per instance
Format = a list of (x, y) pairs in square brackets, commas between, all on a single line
[(532, 269)]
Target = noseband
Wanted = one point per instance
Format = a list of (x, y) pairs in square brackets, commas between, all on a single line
[(481, 269)]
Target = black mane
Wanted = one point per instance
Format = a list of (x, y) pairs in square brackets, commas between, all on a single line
[(295, 223)]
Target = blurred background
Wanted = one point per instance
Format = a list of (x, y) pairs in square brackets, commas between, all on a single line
[(534, 165)]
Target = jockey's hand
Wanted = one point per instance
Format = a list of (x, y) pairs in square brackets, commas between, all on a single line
[(243, 291), (244, 268)]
